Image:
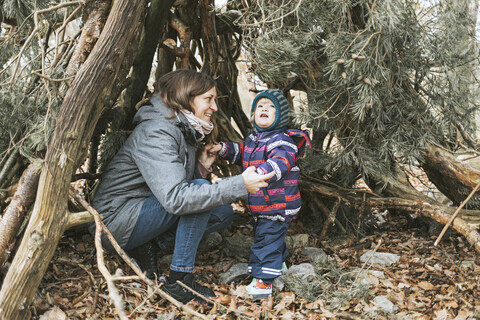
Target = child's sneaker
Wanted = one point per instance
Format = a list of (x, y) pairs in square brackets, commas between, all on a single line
[(258, 289), (284, 267)]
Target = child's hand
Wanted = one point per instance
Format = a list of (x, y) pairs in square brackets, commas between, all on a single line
[(215, 148)]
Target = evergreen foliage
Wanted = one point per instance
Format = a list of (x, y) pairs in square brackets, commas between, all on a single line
[(384, 78), (28, 101)]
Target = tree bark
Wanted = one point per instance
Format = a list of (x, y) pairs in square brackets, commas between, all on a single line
[(82, 103), (15, 212), (142, 65), (90, 34), (453, 178), (209, 37)]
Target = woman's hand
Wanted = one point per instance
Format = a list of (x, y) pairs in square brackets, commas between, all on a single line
[(254, 181), (208, 155)]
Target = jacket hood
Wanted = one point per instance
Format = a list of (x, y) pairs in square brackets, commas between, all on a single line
[(155, 110)]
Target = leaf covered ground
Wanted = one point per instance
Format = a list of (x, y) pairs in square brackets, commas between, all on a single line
[(426, 283)]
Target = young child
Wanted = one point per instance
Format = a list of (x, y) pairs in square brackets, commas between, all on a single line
[(270, 147)]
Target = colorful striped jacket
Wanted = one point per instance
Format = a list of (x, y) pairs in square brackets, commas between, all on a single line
[(268, 151)]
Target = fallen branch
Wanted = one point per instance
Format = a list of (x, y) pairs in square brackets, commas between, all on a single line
[(466, 223), (15, 212)]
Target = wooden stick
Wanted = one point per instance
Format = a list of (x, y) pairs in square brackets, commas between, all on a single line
[(455, 214)]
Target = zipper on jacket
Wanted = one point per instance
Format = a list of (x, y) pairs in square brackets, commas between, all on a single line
[(266, 196)]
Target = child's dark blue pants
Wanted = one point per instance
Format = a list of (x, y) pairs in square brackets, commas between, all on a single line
[(269, 250)]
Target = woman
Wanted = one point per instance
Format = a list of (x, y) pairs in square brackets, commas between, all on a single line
[(148, 191)]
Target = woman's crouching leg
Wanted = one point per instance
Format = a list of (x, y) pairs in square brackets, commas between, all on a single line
[(190, 230)]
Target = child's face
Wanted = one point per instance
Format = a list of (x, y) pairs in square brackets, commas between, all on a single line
[(265, 113)]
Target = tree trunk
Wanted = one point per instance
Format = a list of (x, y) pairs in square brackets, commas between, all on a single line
[(82, 103), (209, 37), (142, 65), (15, 212), (453, 178)]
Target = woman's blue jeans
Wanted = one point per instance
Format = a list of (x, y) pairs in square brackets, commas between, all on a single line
[(182, 231)]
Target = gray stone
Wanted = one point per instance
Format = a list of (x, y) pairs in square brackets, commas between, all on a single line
[(301, 270), (316, 255), (236, 272), (210, 241), (381, 258), (382, 303), (296, 241), (278, 284), (238, 246), (165, 260)]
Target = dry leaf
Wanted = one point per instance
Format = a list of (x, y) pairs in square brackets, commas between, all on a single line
[(451, 304), (442, 315), (426, 285), (463, 315), (287, 299)]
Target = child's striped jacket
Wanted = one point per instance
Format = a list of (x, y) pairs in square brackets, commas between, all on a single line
[(268, 151)]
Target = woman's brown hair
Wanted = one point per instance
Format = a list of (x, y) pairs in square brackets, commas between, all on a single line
[(178, 89)]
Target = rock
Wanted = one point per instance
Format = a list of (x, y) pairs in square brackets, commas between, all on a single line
[(238, 246), (278, 284), (210, 241), (236, 272), (316, 255), (54, 314), (303, 281), (296, 241), (382, 303), (381, 258), (165, 260), (301, 270)]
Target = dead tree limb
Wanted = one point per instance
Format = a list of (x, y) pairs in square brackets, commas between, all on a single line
[(15, 212), (454, 178), (465, 224)]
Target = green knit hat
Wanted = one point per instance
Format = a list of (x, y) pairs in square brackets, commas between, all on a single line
[(282, 109)]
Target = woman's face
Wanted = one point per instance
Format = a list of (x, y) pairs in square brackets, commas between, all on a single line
[(265, 113), (204, 105)]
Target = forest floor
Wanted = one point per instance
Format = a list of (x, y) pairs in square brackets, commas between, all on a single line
[(427, 282)]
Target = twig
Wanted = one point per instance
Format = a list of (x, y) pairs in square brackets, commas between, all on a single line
[(99, 227), (331, 218), (455, 214), (112, 289)]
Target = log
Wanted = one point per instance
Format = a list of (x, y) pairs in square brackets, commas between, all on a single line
[(79, 111), (15, 212), (454, 178)]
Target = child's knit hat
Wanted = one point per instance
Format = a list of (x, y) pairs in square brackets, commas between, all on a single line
[(282, 109)]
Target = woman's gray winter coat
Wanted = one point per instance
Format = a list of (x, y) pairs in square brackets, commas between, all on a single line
[(156, 159)]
